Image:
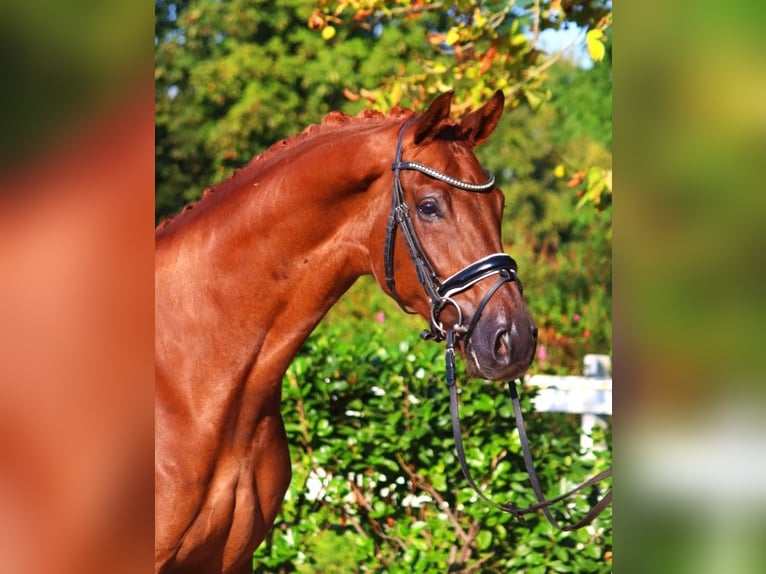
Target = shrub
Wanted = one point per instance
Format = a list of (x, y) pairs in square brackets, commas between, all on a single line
[(377, 487)]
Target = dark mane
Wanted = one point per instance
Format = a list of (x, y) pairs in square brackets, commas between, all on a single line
[(331, 121)]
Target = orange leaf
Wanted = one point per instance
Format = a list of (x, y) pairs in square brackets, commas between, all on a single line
[(576, 179), (436, 39), (316, 21), (351, 96)]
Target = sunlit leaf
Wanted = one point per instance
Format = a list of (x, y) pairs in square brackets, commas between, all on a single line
[(453, 36), (328, 32), (595, 45)]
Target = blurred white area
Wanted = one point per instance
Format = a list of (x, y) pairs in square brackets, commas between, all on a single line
[(590, 396), (693, 489)]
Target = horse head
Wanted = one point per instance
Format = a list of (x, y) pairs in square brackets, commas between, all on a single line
[(442, 253)]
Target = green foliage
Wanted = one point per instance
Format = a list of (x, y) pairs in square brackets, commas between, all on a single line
[(473, 48), (582, 100), (376, 485), (232, 78)]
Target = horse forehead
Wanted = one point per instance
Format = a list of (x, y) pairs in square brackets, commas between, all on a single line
[(453, 157)]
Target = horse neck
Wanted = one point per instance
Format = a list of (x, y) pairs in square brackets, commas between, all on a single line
[(247, 277)]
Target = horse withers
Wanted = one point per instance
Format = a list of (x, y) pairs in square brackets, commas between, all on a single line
[(243, 276)]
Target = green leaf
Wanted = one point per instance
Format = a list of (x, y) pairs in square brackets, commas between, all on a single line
[(518, 40), (483, 539)]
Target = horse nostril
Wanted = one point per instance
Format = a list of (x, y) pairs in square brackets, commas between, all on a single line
[(502, 347)]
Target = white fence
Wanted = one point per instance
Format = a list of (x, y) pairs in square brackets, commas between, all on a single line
[(589, 396)]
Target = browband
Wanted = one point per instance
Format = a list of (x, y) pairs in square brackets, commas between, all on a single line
[(435, 174)]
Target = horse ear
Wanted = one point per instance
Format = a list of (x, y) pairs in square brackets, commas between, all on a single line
[(429, 123), (479, 124)]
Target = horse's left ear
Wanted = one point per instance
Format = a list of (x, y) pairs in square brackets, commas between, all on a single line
[(479, 124)]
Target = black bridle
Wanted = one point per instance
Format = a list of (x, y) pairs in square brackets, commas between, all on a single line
[(440, 294)]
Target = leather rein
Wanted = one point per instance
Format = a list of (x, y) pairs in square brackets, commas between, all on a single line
[(440, 294)]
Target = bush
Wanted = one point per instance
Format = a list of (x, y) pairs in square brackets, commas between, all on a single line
[(376, 484)]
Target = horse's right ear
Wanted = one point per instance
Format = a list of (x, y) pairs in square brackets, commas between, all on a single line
[(431, 121)]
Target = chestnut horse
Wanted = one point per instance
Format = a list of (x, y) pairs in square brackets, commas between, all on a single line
[(245, 275)]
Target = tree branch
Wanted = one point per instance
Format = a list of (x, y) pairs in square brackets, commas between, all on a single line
[(535, 22), (423, 484), (381, 15), (376, 526)]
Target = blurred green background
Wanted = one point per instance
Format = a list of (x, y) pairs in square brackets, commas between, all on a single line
[(65, 63), (690, 138)]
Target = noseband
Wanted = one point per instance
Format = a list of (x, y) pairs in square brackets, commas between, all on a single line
[(440, 293)]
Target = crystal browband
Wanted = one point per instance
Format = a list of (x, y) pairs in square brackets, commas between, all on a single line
[(431, 172)]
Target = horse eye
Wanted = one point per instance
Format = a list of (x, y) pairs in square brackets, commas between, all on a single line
[(428, 209)]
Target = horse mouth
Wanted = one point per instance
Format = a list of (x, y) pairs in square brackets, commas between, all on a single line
[(500, 352)]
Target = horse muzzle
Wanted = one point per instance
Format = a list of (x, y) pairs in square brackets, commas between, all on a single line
[(500, 339), (502, 345)]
